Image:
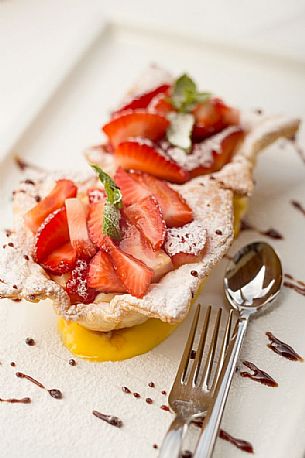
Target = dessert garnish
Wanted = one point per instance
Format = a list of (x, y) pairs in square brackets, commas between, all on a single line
[(25, 400), (298, 206), (110, 419), (258, 375), (282, 349), (53, 392), (30, 342)]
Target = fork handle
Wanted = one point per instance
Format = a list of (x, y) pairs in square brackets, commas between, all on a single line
[(213, 418), (171, 445)]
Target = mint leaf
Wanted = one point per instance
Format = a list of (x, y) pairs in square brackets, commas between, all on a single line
[(180, 130), (111, 214), (185, 94), (114, 195)]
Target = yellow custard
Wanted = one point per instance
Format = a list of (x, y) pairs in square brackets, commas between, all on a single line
[(128, 342)]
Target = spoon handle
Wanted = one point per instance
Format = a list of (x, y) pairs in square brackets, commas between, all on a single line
[(212, 420)]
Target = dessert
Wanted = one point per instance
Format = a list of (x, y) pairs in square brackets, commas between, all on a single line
[(125, 250)]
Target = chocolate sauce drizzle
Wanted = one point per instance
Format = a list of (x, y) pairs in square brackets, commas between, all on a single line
[(17, 401), (258, 375), (297, 285), (24, 165), (282, 349), (298, 206), (271, 233), (54, 393), (110, 419)]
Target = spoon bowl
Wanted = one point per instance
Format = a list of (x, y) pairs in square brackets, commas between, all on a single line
[(253, 278)]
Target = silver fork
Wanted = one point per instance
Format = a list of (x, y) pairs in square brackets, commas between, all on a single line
[(193, 387)]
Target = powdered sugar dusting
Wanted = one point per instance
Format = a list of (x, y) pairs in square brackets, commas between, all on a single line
[(190, 238)]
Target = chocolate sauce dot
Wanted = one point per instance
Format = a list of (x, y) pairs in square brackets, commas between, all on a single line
[(164, 407), (72, 362), (126, 390), (28, 181), (15, 286), (10, 244), (37, 198), (155, 446), (194, 273), (149, 400), (13, 364), (163, 392), (30, 342), (26, 257), (137, 395), (151, 385), (218, 232), (56, 394)]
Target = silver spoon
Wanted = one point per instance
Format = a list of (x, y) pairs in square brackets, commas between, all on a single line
[(252, 280)]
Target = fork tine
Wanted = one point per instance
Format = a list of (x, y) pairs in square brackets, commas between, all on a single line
[(206, 374), (197, 361), (224, 346), (181, 373)]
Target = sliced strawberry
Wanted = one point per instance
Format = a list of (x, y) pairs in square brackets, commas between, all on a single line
[(79, 237), (134, 274), (142, 101), (160, 104), (95, 223), (77, 286), (51, 235), (147, 217), (102, 275), (56, 199), (96, 195), (132, 191), (61, 260), (136, 124), (137, 246), (223, 154), (175, 210), (179, 259), (147, 158)]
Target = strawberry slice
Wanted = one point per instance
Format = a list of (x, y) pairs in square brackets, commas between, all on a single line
[(136, 124), (102, 276), (147, 217), (61, 260), (229, 140), (56, 199), (77, 286), (179, 259), (131, 190), (137, 246), (160, 104), (79, 237), (147, 158), (95, 223), (134, 274), (51, 235), (142, 101), (96, 195), (175, 210)]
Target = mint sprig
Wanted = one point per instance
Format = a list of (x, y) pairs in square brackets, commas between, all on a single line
[(111, 215), (185, 94)]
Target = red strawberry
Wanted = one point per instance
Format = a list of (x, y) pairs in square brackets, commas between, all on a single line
[(96, 195), (56, 199), (95, 223), (147, 217), (132, 191), (134, 274), (61, 260), (160, 104), (142, 101), (147, 158), (51, 235), (102, 275), (77, 286), (136, 124), (221, 156), (175, 210), (137, 246), (180, 259), (79, 237)]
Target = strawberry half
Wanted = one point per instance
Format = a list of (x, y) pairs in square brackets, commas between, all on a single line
[(102, 276), (134, 274), (223, 154), (175, 210), (142, 101), (61, 260), (95, 223), (147, 217), (77, 286), (51, 235), (56, 199), (137, 246), (147, 158), (136, 124), (131, 191), (78, 232)]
